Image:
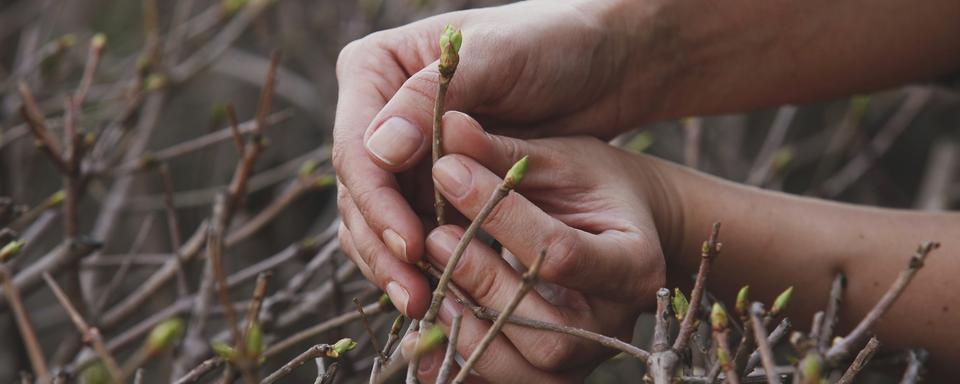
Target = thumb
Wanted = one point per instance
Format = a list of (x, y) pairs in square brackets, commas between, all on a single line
[(401, 133)]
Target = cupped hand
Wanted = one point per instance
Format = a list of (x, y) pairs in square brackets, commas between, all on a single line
[(587, 204), (528, 69)]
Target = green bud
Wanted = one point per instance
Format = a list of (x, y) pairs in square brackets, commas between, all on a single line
[(154, 82), (718, 317), (782, 158), (780, 304), (811, 368), (95, 373), (165, 334), (89, 139), (859, 104), (98, 41), (224, 350), (11, 249), (450, 42), (723, 356), (397, 325), (67, 41), (255, 340), (680, 304), (341, 347), (430, 340), (384, 300), (56, 198), (307, 168), (326, 181), (641, 142), (231, 6), (516, 173), (743, 300)]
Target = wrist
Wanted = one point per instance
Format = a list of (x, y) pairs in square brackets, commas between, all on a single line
[(656, 184)]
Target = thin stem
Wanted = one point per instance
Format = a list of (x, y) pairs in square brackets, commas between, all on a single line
[(710, 250), (915, 360), (197, 372), (845, 347), (778, 333), (832, 314), (437, 143), (301, 359), (529, 279), (661, 329), (760, 335), (306, 334), (26, 328), (860, 361), (449, 358), (366, 325), (720, 339)]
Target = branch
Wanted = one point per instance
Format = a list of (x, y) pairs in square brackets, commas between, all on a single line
[(845, 347), (916, 359), (760, 335), (449, 59), (832, 315), (392, 339), (529, 279), (709, 252), (26, 329), (450, 357), (301, 359), (778, 333), (661, 330), (861, 361), (309, 333)]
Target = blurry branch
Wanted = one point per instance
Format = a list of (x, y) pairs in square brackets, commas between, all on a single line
[(842, 350), (832, 315), (942, 168), (450, 356), (860, 361), (90, 334), (392, 339), (915, 360), (692, 139), (528, 281), (775, 337), (317, 351), (26, 329), (760, 336), (366, 325), (762, 166), (851, 172), (291, 86), (306, 334)]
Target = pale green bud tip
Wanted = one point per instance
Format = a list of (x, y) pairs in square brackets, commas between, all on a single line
[(450, 42), (723, 356), (224, 350), (451, 36), (811, 367), (56, 198), (154, 82), (743, 300), (780, 304), (718, 317), (326, 181), (231, 6), (11, 249), (341, 347), (516, 173), (95, 374), (165, 334), (680, 304), (397, 325), (430, 340), (68, 40), (384, 300), (255, 340), (98, 41), (307, 168)]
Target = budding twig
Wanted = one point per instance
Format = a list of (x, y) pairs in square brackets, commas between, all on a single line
[(760, 336), (26, 328), (306, 334), (855, 338), (718, 321), (832, 314), (709, 252), (383, 358), (860, 361), (450, 42), (449, 358), (778, 333), (319, 350), (366, 325), (529, 279)]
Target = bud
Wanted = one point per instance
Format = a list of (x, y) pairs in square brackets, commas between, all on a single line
[(723, 356), (429, 340), (858, 105), (164, 335), (811, 368), (326, 181), (680, 304), (384, 300), (718, 317), (450, 42), (67, 41), (255, 340), (307, 168), (154, 82), (743, 300), (516, 173), (341, 347), (96, 373), (11, 249), (397, 325), (224, 350), (780, 304), (56, 198), (98, 41), (231, 6)]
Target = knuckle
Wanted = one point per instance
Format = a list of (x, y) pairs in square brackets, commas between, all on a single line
[(563, 256), (348, 54), (553, 353), (499, 216), (338, 155), (486, 286), (367, 198)]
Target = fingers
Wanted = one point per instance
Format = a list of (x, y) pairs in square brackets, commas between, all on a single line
[(405, 285), (493, 283)]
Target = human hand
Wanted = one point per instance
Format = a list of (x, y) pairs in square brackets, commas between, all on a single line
[(588, 205), (562, 72)]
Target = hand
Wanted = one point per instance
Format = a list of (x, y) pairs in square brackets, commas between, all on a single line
[(584, 202), (562, 72)]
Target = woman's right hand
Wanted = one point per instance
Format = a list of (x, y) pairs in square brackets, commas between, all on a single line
[(530, 69)]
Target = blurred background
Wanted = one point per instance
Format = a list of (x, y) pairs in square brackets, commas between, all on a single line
[(155, 119)]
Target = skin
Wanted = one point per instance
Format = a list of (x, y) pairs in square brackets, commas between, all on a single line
[(613, 220)]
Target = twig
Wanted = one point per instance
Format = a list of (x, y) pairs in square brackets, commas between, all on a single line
[(90, 334), (197, 372), (692, 132), (234, 127), (449, 358), (26, 329), (860, 361), (718, 320), (832, 315), (513, 178), (943, 162), (778, 333), (529, 279), (97, 44), (330, 375), (392, 338), (760, 171), (301, 359), (34, 118), (816, 326), (366, 324), (760, 335), (915, 360), (306, 334), (855, 338), (709, 252), (661, 329), (449, 59)]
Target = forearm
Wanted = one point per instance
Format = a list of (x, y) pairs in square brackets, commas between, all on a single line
[(696, 57), (773, 240)]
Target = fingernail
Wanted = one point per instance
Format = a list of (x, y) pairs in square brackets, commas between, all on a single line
[(453, 177), (398, 295), (448, 310), (395, 243), (395, 141)]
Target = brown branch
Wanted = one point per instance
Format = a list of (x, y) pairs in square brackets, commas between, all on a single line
[(815, 326), (94, 54), (26, 329), (720, 339), (90, 334), (661, 329), (760, 171), (314, 352), (778, 334), (197, 372), (529, 279), (306, 334), (35, 121), (857, 336), (366, 325), (860, 361), (832, 314), (449, 358), (392, 339), (760, 335), (235, 127), (709, 252)]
